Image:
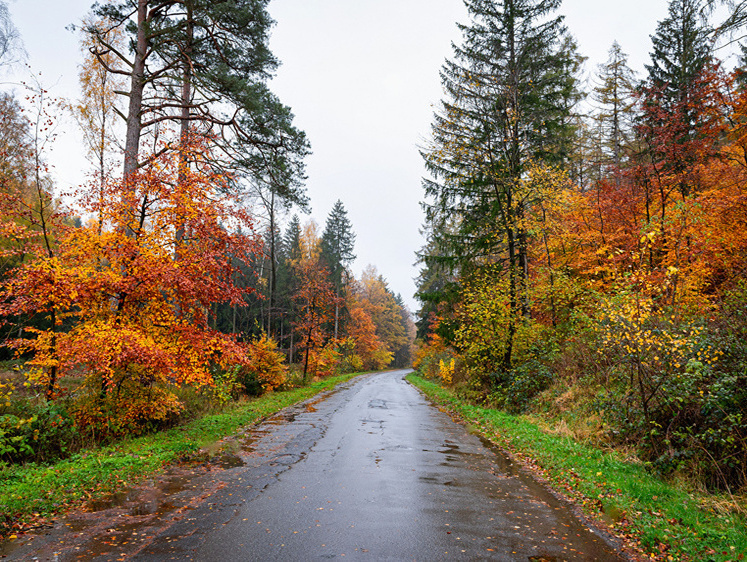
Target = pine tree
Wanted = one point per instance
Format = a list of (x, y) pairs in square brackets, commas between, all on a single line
[(208, 62), (338, 243), (741, 70), (510, 89)]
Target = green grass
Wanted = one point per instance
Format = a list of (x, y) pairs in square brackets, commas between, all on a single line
[(30, 493), (669, 522)]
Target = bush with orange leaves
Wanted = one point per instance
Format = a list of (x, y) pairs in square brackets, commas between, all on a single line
[(264, 369)]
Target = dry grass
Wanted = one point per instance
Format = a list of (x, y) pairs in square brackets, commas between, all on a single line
[(725, 505)]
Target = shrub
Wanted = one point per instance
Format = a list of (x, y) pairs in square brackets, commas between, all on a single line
[(264, 369), (37, 433), (351, 364), (327, 360), (226, 386), (130, 409), (513, 390), (678, 391)]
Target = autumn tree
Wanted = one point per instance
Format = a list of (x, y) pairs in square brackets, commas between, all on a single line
[(27, 223), (96, 111), (130, 352), (394, 326), (370, 352), (314, 298)]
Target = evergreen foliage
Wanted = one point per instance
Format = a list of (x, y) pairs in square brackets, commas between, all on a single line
[(206, 62), (681, 50), (338, 243), (510, 88)]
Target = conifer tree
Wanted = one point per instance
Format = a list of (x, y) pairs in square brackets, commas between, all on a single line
[(614, 93), (207, 62), (338, 242), (681, 50), (674, 94), (510, 88)]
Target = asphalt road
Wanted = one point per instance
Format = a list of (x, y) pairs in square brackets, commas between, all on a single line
[(371, 471)]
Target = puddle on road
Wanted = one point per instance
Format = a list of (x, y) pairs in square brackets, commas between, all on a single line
[(505, 466), (114, 500), (227, 460), (279, 419), (148, 504)]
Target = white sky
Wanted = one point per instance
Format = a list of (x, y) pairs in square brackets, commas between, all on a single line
[(361, 77)]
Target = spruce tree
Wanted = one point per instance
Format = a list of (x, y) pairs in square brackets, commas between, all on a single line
[(338, 243), (741, 70), (681, 50), (510, 88), (675, 94)]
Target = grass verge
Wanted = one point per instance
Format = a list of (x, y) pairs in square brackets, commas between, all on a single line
[(31, 493), (668, 522)]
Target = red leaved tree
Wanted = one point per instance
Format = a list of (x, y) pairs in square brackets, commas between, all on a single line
[(123, 312)]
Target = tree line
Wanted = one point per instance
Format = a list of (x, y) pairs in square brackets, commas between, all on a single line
[(174, 269), (592, 242)]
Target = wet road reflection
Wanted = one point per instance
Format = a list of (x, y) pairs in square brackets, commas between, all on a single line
[(371, 471)]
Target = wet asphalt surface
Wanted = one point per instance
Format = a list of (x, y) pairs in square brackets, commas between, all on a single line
[(370, 471)]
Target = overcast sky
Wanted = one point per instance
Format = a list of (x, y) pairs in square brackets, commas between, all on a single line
[(361, 77)]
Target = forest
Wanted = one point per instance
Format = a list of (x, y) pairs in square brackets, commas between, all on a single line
[(585, 255), (584, 262), (179, 278)]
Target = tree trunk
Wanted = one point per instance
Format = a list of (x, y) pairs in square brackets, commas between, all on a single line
[(337, 310), (273, 270), (134, 112), (184, 129)]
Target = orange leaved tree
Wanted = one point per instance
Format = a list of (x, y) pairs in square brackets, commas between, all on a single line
[(315, 299), (125, 313)]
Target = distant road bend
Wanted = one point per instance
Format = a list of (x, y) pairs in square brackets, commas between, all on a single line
[(371, 471)]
